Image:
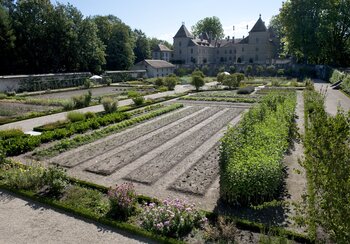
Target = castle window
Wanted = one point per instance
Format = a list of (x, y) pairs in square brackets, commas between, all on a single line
[(225, 51), (257, 40), (217, 52), (191, 50), (256, 57), (242, 49), (230, 51), (257, 49), (179, 44), (235, 51), (230, 58), (180, 52)]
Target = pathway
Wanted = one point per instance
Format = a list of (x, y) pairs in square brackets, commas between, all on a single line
[(24, 221), (29, 124), (334, 98)]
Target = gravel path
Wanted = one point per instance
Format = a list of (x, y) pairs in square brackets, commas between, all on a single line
[(334, 98), (24, 221)]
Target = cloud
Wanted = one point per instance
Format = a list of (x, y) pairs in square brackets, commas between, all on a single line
[(240, 29)]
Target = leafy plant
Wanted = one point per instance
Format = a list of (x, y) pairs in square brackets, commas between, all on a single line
[(197, 81), (133, 93), (123, 200), (75, 116), (87, 199), (139, 100), (82, 100), (246, 90), (171, 218), (170, 82), (110, 105)]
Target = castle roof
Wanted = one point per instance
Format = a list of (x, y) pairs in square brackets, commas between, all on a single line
[(259, 26), (157, 63), (183, 32)]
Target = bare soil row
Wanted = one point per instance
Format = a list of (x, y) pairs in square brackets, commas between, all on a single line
[(130, 154), (91, 151), (154, 169), (201, 175)]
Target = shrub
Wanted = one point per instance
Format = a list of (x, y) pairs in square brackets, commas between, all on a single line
[(221, 76), (336, 76), (87, 199), (260, 70), (133, 93), (87, 84), (159, 82), (123, 200), (68, 105), (197, 72), (205, 70), (10, 93), (271, 70), (230, 81), (6, 134), (82, 100), (276, 83), (172, 218), (232, 69), (109, 104), (240, 77), (90, 115), (197, 81), (139, 100), (251, 153), (246, 90), (75, 116), (170, 82), (345, 86), (108, 81), (280, 72), (55, 179), (163, 89), (248, 70)]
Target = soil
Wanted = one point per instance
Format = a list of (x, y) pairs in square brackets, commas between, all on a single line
[(11, 109)]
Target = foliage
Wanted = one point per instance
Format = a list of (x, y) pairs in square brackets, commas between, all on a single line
[(345, 86), (159, 82), (87, 83), (230, 81), (313, 36), (246, 90), (197, 81), (280, 72), (248, 70), (182, 71), (271, 70), (74, 116), (36, 177), (110, 105), (6, 134), (88, 199), (82, 101), (251, 153), (198, 72), (142, 47), (171, 218), (139, 100), (327, 161), (123, 200), (170, 82), (133, 93), (221, 99), (220, 77), (232, 69), (224, 231), (259, 70), (210, 25), (336, 76)]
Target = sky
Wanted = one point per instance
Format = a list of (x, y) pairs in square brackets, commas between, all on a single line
[(163, 18)]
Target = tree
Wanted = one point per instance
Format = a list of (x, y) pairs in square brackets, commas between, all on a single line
[(317, 33), (7, 40), (210, 25), (170, 81), (248, 70), (154, 42), (197, 81), (230, 81), (142, 48)]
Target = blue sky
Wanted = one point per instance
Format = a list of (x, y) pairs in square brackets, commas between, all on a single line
[(162, 18)]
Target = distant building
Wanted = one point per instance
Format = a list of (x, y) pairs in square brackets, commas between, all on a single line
[(258, 47), (161, 52), (155, 68)]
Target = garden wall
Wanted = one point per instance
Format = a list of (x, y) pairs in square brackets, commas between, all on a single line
[(20, 83)]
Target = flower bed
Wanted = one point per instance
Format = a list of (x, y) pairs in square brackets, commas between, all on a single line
[(251, 153), (221, 99)]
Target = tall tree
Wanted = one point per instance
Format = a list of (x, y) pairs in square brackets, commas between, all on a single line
[(119, 42), (153, 42), (210, 25), (142, 48), (317, 31)]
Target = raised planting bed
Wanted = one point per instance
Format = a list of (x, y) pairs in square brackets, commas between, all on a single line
[(221, 99)]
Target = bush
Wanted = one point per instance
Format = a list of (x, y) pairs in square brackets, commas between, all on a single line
[(173, 218), (163, 89), (6, 134), (82, 100), (345, 86), (232, 69), (10, 93), (240, 77), (109, 104), (87, 199), (170, 82), (133, 93), (159, 82), (336, 76), (197, 81), (230, 81), (248, 70), (251, 153), (260, 70), (271, 70), (90, 115), (280, 72), (221, 76), (139, 100), (75, 116), (55, 179), (87, 84), (199, 73), (123, 200), (246, 90)]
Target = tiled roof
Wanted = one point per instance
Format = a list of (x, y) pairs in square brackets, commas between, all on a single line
[(158, 63), (183, 32), (259, 26)]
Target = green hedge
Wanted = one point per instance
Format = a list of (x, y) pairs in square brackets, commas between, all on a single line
[(251, 153), (336, 76), (327, 163), (221, 99)]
